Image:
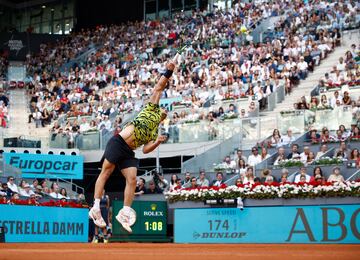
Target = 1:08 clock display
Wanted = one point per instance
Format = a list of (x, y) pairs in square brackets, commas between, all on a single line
[(154, 226)]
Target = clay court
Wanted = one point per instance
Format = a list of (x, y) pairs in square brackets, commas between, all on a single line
[(148, 251)]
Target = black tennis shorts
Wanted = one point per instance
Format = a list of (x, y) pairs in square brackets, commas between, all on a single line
[(119, 153)]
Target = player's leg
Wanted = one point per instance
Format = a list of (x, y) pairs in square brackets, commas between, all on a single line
[(95, 213), (124, 214), (96, 235), (161, 85)]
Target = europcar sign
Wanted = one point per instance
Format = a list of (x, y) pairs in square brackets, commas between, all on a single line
[(293, 224), (46, 166)]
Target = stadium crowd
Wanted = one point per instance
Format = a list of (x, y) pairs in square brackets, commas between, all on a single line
[(221, 62), (10, 192)]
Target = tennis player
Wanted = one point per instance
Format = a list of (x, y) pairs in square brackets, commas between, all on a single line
[(143, 130)]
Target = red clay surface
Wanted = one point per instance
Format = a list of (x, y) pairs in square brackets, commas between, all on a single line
[(147, 251)]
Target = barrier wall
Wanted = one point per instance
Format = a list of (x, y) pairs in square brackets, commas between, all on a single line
[(291, 224), (44, 224)]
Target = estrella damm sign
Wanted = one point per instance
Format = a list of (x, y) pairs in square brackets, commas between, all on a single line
[(46, 165)]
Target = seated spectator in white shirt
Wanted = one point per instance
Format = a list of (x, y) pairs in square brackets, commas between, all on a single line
[(302, 174), (84, 126), (34, 184), (280, 156), (202, 181), (11, 184), (336, 176), (26, 191), (304, 155), (341, 66), (55, 191), (323, 150), (335, 98), (255, 157), (287, 139), (230, 163), (219, 179)]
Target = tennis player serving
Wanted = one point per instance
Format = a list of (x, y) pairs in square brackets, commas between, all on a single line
[(143, 130)]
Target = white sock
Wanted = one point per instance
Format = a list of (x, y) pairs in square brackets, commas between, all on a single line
[(97, 203), (127, 210)]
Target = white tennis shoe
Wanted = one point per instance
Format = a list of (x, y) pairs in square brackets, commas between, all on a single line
[(126, 220), (95, 215)]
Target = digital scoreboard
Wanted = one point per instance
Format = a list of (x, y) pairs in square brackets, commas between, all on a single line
[(150, 225)]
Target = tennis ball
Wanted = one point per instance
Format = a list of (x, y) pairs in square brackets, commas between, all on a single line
[(243, 29)]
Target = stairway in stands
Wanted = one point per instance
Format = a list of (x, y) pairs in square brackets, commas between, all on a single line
[(18, 112), (307, 85)]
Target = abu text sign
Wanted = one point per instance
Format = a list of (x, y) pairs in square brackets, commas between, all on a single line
[(302, 224), (46, 166)]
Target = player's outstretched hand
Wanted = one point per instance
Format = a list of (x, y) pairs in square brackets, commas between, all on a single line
[(170, 65), (161, 138)]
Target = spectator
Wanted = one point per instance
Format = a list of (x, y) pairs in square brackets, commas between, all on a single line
[(264, 173), (355, 133), (354, 154), (26, 191), (335, 98), (255, 157), (238, 182), (288, 138), (336, 176), (231, 164), (140, 187), (202, 181), (186, 182), (302, 174), (7, 190), (239, 155), (178, 184), (264, 154), (280, 156), (283, 179), (344, 133), (219, 180), (153, 189), (317, 172), (248, 177), (241, 166), (173, 181), (63, 193), (161, 182), (15, 196), (269, 180), (304, 155), (275, 137), (294, 152), (194, 184), (342, 151), (323, 150), (55, 191), (11, 184), (34, 184), (2, 192), (310, 158)]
